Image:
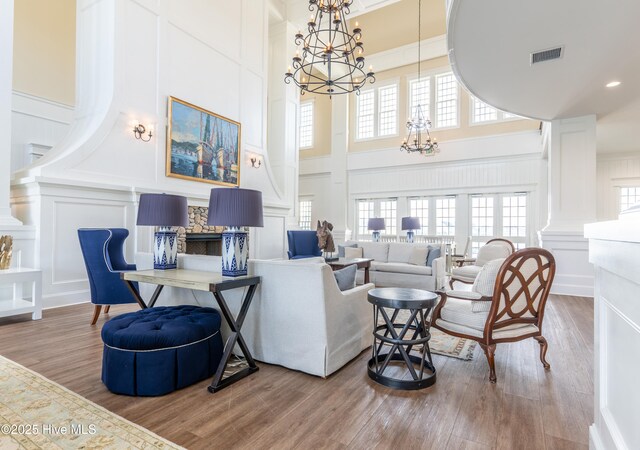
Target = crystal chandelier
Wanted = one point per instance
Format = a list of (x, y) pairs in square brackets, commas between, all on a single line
[(331, 61), (418, 137)]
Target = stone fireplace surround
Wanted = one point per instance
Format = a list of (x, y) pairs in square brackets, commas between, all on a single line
[(197, 224)]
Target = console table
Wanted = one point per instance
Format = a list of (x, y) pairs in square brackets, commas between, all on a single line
[(18, 305), (216, 284)]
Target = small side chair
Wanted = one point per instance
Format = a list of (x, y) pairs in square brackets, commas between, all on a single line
[(505, 304), (103, 252)]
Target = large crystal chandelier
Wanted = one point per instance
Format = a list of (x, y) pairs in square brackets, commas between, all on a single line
[(418, 137), (330, 61)]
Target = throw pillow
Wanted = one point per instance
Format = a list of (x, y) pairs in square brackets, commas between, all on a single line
[(346, 278), (342, 247), (419, 256), (351, 253), (485, 283), (434, 252)]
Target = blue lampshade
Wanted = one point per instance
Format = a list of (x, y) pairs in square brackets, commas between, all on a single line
[(376, 224), (410, 223), (163, 210), (234, 207)]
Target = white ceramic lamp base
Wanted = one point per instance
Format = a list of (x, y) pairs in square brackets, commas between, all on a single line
[(410, 237), (235, 252), (165, 249), (375, 236)]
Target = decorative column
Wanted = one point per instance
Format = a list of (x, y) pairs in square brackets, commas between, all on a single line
[(6, 89), (572, 202), (339, 178)]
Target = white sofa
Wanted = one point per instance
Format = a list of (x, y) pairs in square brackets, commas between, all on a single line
[(299, 318), (391, 266)]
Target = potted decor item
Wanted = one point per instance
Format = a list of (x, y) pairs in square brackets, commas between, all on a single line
[(6, 248)]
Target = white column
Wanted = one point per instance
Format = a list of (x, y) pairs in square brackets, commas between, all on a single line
[(572, 202), (339, 191), (6, 88), (284, 101)]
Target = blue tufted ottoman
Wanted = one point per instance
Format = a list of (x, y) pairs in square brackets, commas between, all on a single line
[(158, 350)]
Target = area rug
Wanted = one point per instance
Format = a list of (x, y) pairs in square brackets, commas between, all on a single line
[(37, 413), (442, 343)]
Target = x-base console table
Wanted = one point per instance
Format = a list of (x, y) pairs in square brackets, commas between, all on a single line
[(216, 284)]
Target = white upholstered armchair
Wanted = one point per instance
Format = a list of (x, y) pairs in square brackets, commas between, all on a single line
[(505, 304), (494, 249)]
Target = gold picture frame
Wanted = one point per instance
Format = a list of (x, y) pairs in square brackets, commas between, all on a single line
[(202, 145)]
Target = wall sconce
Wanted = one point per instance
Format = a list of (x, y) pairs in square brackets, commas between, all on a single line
[(255, 162), (138, 132)]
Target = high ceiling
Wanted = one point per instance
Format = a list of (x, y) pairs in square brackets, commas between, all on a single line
[(490, 43)]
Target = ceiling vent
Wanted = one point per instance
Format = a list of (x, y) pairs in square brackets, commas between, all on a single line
[(546, 55)]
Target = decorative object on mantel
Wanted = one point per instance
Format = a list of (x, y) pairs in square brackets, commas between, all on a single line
[(235, 209), (164, 211), (201, 145), (139, 131), (41, 401), (418, 137), (331, 62), (409, 224), (325, 240), (376, 224), (6, 249)]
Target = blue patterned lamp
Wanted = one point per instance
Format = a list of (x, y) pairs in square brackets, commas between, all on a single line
[(235, 208), (410, 224), (376, 224), (163, 211)]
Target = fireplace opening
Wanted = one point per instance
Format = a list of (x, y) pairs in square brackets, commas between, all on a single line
[(203, 244)]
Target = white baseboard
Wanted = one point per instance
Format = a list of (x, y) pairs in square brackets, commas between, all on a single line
[(595, 443)]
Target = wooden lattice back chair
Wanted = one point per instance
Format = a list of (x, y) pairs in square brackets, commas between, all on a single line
[(506, 304)]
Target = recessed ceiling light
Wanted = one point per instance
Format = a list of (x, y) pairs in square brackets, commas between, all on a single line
[(613, 84)]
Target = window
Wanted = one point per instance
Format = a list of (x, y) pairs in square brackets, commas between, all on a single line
[(481, 221), (388, 110), (306, 124), (365, 212), (629, 196), (482, 112), (514, 215), (365, 115), (304, 218), (446, 216), (388, 212), (420, 95), (446, 101), (419, 207)]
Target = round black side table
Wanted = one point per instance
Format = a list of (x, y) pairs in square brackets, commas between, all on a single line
[(401, 336)]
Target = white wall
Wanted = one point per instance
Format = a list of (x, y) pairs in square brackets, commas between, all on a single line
[(613, 172), (505, 163), (132, 55)]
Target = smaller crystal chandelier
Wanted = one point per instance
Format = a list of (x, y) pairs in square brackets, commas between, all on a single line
[(418, 137), (331, 61)]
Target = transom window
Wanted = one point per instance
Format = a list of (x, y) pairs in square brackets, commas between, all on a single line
[(446, 216), (304, 218), (629, 196), (420, 95), (377, 112), (419, 207), (446, 101), (306, 124)]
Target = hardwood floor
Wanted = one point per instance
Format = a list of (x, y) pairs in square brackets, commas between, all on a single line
[(529, 408)]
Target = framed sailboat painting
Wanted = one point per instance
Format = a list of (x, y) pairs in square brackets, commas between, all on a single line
[(201, 145)]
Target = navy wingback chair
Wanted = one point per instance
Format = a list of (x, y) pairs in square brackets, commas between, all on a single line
[(303, 244), (103, 252)]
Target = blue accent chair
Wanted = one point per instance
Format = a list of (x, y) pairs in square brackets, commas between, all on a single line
[(103, 252), (303, 244), (158, 350)]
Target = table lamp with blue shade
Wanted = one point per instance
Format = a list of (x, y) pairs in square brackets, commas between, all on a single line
[(163, 211), (235, 209), (410, 224), (376, 224)]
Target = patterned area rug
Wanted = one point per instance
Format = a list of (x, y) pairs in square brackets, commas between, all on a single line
[(442, 343), (37, 413)]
